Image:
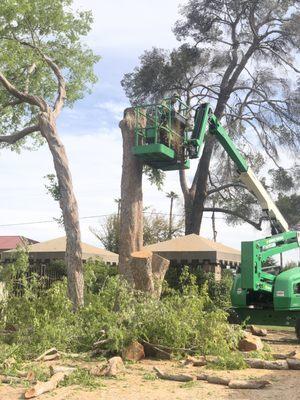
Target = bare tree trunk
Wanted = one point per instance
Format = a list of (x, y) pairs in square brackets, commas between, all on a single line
[(68, 205), (131, 221), (196, 196), (197, 201)]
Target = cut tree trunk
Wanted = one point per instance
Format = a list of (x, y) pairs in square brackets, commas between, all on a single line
[(148, 271), (68, 205), (131, 220)]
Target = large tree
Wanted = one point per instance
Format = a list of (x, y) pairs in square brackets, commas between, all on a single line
[(43, 66), (241, 57)]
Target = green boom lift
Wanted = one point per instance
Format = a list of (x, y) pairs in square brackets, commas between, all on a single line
[(164, 140)]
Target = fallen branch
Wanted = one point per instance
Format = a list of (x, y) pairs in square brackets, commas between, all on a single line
[(177, 378), (101, 342), (49, 355), (44, 387)]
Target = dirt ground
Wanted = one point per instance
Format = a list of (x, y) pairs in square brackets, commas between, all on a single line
[(138, 385)]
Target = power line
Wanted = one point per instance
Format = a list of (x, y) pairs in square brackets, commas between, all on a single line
[(89, 217)]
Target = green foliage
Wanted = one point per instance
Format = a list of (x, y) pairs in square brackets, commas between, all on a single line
[(290, 207), (109, 234), (29, 30), (155, 225), (233, 360), (83, 378), (182, 319), (219, 292), (52, 186), (156, 176)]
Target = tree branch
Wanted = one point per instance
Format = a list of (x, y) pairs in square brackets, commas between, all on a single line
[(226, 186), (183, 182), (256, 225), (59, 102), (13, 138), (24, 97)]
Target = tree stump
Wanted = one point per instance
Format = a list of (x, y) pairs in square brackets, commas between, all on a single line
[(131, 218), (148, 271)]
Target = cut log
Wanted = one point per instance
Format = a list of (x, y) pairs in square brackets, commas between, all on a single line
[(114, 367), (131, 218), (243, 384), (293, 363), (148, 271), (134, 352), (250, 343), (170, 377), (218, 380), (48, 355), (44, 387), (258, 331), (257, 363)]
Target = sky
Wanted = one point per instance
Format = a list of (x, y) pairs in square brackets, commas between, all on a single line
[(121, 32)]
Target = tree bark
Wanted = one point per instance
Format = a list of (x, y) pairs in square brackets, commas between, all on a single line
[(68, 205), (131, 219)]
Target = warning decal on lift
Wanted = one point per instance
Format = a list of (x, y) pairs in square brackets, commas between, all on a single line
[(280, 293)]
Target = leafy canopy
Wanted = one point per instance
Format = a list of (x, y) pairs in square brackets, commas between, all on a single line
[(30, 30), (241, 56)]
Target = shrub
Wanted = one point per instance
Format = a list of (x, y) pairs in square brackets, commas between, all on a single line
[(182, 319)]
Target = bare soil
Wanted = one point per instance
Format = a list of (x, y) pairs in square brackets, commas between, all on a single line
[(137, 383)]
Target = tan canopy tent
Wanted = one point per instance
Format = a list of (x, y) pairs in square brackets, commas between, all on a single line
[(55, 250)]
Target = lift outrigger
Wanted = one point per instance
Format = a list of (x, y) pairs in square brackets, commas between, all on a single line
[(164, 140)]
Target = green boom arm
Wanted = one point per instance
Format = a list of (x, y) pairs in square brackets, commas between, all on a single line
[(204, 117)]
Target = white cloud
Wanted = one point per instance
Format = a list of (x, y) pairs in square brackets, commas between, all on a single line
[(114, 108), (131, 23)]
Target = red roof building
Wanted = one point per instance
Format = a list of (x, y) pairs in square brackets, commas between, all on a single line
[(12, 242)]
